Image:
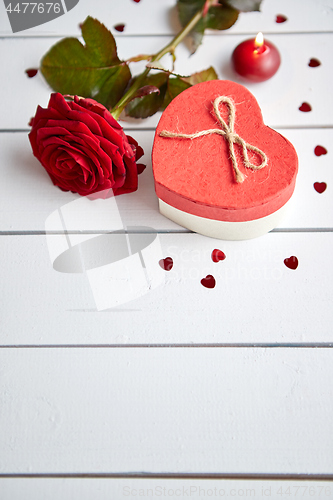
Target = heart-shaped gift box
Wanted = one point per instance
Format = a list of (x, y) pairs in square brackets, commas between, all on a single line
[(218, 169)]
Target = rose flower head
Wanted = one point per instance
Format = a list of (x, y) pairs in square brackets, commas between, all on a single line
[(83, 148)]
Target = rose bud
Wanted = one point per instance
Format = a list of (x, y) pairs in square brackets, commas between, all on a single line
[(83, 148)]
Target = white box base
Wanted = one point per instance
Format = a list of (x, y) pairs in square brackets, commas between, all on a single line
[(221, 229)]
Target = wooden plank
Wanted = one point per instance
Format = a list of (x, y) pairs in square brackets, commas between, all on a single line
[(155, 18), (28, 197), (118, 489), (279, 97), (257, 299), (166, 410)]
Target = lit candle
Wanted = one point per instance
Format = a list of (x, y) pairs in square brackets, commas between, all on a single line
[(256, 59)]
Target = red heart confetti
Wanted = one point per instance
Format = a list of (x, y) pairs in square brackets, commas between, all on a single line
[(119, 27), (314, 63), (305, 107), (166, 264), (280, 18), (291, 262), (136, 1), (209, 281), (218, 255), (320, 186), (320, 150), (31, 72)]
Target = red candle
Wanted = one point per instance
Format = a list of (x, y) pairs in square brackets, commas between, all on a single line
[(256, 59)]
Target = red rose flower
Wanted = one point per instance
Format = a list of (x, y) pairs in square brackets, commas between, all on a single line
[(83, 148)]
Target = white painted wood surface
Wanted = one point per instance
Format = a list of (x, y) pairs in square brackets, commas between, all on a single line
[(104, 489), (158, 17), (167, 410), (257, 299), (77, 398)]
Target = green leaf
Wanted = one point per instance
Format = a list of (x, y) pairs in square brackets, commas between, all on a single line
[(174, 87), (169, 85), (220, 16), (100, 43), (142, 107), (201, 76), (196, 37), (186, 10), (90, 70), (179, 83), (245, 5), (113, 86)]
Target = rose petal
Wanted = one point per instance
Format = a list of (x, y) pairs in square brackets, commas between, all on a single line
[(58, 103), (141, 167), (137, 149)]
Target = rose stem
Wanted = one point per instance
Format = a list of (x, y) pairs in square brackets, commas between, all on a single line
[(169, 48)]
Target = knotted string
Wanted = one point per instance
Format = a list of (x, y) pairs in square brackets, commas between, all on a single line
[(227, 130)]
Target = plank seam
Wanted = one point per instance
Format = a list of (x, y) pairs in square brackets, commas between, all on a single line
[(171, 475), (158, 231), (254, 345)]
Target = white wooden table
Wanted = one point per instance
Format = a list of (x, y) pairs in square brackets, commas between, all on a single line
[(185, 391)]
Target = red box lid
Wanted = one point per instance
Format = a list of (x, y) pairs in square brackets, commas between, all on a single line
[(196, 175)]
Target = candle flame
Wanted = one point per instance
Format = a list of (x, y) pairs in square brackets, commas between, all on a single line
[(259, 40)]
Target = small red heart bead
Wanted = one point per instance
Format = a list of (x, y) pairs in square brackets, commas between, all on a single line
[(305, 107), (280, 18), (209, 281), (320, 186), (166, 264), (217, 255), (291, 262), (320, 150), (31, 72), (314, 63), (119, 27)]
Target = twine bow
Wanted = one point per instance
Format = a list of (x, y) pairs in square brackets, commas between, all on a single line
[(227, 130)]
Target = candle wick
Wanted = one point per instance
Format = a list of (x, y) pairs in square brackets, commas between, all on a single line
[(260, 50)]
